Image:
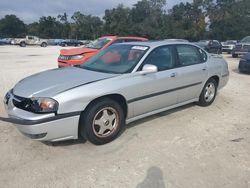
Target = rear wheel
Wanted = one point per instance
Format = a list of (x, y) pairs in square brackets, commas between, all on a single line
[(102, 121), (208, 93), (234, 55)]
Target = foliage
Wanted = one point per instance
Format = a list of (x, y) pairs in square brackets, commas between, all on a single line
[(200, 19), (11, 26)]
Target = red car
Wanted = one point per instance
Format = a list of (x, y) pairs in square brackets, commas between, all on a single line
[(76, 56)]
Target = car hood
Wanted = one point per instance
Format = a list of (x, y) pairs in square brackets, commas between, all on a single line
[(52, 82), (77, 51)]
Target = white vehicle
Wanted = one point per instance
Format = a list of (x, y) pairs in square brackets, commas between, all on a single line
[(30, 40)]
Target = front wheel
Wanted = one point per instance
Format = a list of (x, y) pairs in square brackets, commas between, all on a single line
[(44, 44), (102, 121), (22, 44), (208, 93)]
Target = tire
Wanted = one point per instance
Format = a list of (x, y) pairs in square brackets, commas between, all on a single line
[(207, 98), (109, 118), (219, 51), (44, 44), (23, 44), (234, 55)]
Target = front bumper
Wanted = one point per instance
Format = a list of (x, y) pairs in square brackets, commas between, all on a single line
[(43, 127), (55, 130), (240, 52), (68, 63), (228, 50)]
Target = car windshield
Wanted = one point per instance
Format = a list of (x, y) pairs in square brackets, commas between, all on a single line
[(246, 40), (98, 44), (116, 59)]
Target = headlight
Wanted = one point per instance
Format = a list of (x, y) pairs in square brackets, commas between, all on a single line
[(76, 57), (43, 105), (7, 97)]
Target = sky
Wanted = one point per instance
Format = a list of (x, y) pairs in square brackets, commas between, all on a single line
[(31, 10)]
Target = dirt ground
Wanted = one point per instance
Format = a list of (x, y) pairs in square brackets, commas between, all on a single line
[(186, 147)]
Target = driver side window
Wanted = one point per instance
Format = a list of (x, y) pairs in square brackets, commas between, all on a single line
[(161, 57)]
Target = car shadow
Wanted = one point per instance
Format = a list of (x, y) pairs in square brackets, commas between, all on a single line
[(236, 70), (65, 143), (158, 115), (153, 179)]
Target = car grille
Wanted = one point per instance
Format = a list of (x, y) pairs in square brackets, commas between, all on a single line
[(226, 47), (22, 103), (64, 57)]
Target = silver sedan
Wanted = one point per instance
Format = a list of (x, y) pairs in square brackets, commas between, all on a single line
[(120, 84)]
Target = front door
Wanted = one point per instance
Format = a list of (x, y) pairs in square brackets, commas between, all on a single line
[(156, 90)]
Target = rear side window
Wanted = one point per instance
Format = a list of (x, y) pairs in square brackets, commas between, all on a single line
[(190, 55)]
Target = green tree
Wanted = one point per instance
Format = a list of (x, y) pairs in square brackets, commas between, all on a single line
[(86, 26), (117, 21), (66, 27), (186, 20), (33, 29), (49, 27), (229, 19), (11, 26), (148, 18)]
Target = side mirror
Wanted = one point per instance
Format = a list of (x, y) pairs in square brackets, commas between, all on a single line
[(149, 68)]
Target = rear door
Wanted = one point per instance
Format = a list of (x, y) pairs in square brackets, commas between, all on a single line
[(192, 71)]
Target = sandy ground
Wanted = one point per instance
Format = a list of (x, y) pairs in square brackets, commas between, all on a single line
[(187, 147)]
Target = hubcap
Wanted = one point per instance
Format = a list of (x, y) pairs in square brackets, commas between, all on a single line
[(105, 122), (209, 92)]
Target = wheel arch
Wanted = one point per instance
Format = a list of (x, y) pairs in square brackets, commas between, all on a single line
[(216, 78), (120, 99)]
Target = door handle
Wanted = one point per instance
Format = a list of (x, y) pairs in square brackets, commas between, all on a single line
[(205, 68), (173, 75)]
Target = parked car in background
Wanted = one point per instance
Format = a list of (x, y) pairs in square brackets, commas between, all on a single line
[(5, 41), (211, 46), (70, 42), (228, 46), (121, 84), (2, 42), (54, 42), (76, 56), (242, 47), (30, 40), (177, 40), (244, 64)]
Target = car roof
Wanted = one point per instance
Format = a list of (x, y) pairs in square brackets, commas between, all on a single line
[(123, 37), (153, 44)]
